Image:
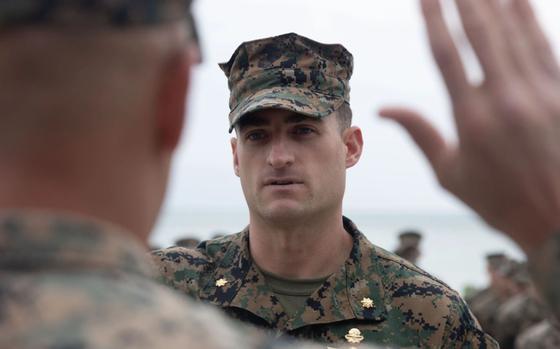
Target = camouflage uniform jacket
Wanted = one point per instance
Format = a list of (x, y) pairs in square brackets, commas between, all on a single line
[(68, 282), (387, 299)]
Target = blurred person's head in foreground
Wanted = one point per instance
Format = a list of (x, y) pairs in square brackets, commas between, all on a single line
[(93, 105)]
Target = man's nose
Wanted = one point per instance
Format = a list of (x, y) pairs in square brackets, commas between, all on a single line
[(280, 154)]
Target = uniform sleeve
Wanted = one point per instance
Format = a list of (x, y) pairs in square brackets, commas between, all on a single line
[(464, 331), (544, 266), (181, 268)]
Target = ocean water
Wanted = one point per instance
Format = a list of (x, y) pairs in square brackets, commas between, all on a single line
[(453, 246)]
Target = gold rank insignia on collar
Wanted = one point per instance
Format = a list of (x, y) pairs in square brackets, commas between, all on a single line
[(367, 303), (221, 282), (354, 336)]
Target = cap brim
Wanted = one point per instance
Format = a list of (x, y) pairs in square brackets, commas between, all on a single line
[(299, 100)]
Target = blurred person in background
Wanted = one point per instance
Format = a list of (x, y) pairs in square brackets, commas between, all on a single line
[(409, 246), (485, 303), (521, 311), (188, 242)]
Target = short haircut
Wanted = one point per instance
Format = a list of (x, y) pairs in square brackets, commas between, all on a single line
[(344, 116), (74, 83)]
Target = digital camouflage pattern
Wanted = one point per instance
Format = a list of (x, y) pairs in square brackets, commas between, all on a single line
[(75, 283), (109, 12), (408, 308), (288, 72)]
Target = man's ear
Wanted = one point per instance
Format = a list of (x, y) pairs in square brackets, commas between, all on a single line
[(353, 140), (233, 143), (172, 99)]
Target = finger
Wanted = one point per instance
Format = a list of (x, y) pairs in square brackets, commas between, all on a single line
[(540, 46), (444, 50), (486, 38), (422, 132), (516, 40)]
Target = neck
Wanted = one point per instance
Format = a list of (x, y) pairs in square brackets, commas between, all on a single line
[(305, 249), (100, 191)]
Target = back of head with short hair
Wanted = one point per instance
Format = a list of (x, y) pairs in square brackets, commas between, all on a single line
[(90, 115), (60, 83)]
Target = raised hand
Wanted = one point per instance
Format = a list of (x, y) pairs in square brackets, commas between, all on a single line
[(506, 163)]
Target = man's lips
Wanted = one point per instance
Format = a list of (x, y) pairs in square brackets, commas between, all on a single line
[(282, 181)]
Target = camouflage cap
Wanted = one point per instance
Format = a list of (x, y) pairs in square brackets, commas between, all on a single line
[(410, 238), (496, 259), (119, 13), (288, 72)]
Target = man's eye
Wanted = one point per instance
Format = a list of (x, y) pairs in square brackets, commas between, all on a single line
[(303, 130), (255, 136)]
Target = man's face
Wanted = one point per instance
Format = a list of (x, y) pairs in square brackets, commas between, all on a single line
[(292, 166)]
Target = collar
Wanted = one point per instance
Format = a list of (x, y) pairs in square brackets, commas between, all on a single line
[(41, 240), (236, 282)]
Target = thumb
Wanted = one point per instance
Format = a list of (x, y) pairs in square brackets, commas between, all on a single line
[(426, 137)]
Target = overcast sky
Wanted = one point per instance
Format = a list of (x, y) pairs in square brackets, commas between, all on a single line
[(392, 65)]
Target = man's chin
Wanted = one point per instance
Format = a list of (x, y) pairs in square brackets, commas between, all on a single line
[(281, 211)]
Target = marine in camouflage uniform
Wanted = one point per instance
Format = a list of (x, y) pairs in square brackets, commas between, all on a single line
[(71, 281), (519, 312), (387, 298), (486, 302), (409, 246), (374, 296)]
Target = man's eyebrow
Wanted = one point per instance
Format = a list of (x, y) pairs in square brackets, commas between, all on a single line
[(255, 120)]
